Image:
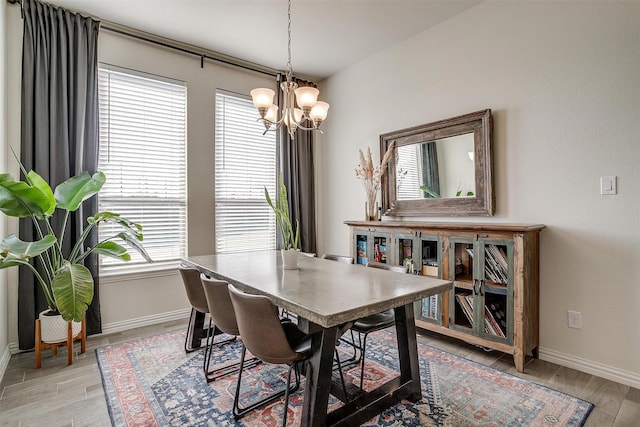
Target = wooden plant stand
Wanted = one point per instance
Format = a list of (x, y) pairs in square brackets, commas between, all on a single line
[(41, 345)]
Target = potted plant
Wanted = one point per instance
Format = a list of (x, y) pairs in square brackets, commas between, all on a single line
[(66, 283), (290, 235)]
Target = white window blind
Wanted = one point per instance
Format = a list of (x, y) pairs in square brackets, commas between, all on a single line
[(245, 164), (143, 154)]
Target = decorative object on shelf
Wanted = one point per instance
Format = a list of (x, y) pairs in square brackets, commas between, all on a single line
[(290, 236), (66, 283), (370, 177), (308, 116)]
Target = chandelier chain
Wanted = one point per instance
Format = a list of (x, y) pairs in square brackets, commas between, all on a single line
[(289, 70)]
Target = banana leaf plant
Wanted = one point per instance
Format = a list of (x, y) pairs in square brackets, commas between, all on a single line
[(290, 236), (67, 284)]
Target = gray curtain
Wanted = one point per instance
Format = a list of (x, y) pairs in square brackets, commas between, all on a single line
[(296, 165), (59, 130), (430, 172)]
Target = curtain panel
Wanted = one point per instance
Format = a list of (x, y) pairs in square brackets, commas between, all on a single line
[(297, 167), (59, 131)]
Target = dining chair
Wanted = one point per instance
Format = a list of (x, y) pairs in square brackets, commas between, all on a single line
[(339, 258), (197, 299), (372, 323), (271, 341), (222, 320)]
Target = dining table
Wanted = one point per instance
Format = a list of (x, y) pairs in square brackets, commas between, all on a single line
[(325, 295)]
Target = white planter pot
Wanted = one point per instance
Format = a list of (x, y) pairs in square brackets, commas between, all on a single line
[(290, 259), (53, 328)]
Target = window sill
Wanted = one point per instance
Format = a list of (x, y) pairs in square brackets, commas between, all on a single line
[(141, 272)]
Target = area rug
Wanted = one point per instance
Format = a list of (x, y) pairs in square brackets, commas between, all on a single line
[(152, 382)]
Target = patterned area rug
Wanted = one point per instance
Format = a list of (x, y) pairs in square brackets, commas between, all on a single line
[(152, 382)]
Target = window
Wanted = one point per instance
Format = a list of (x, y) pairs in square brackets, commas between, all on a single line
[(245, 165), (143, 154)]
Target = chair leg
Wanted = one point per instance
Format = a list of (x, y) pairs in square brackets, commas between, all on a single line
[(212, 375), (362, 359), (344, 385), (239, 412), (188, 349)]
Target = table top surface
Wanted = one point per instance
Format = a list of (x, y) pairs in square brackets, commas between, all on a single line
[(324, 292)]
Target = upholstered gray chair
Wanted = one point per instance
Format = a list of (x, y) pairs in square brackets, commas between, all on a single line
[(222, 319), (271, 341), (375, 322), (197, 299), (339, 258)]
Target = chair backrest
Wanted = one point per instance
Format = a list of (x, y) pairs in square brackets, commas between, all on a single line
[(193, 287), (260, 327), (220, 306), (339, 258), (383, 266)]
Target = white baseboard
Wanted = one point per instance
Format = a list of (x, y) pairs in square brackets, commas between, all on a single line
[(109, 328), (4, 361), (124, 325), (618, 375)]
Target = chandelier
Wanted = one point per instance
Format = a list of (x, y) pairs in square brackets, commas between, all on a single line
[(308, 114)]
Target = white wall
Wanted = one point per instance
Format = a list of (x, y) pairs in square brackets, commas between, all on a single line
[(148, 298), (562, 81)]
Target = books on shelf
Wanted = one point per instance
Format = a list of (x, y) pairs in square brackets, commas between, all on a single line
[(495, 322), (429, 307), (495, 263), (362, 252)]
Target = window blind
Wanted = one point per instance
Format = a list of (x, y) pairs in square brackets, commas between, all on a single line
[(143, 154), (245, 163)]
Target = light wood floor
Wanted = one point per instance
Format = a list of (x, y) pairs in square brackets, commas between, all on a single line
[(58, 395)]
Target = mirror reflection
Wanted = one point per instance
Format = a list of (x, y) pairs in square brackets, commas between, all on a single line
[(441, 168)]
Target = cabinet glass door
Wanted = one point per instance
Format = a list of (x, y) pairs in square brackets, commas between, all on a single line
[(371, 246), (462, 303), (428, 262), (495, 273)]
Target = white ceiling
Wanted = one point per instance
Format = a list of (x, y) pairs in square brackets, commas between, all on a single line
[(327, 35)]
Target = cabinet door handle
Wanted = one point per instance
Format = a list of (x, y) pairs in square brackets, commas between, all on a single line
[(474, 286), (481, 286)]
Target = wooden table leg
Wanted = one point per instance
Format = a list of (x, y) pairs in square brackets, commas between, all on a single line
[(318, 377), (408, 349)]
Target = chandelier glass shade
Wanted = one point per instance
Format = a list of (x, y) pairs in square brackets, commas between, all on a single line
[(300, 109)]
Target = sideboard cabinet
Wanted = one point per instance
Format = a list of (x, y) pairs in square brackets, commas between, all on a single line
[(494, 299)]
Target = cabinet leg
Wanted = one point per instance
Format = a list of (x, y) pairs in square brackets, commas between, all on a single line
[(535, 353), (518, 358)]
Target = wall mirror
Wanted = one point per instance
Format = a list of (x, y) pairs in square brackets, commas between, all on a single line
[(444, 168)]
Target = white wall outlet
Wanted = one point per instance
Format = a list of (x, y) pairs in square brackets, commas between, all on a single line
[(608, 185), (575, 319)]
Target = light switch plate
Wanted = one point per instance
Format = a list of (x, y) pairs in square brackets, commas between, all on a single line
[(608, 185)]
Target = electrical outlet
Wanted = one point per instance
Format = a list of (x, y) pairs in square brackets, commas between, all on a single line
[(575, 319)]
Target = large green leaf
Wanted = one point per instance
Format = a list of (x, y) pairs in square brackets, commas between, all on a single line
[(73, 291), (71, 193), (133, 228), (135, 244), (18, 199), (12, 246), (38, 182), (112, 250)]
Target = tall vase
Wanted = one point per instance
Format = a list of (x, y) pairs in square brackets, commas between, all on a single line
[(371, 206)]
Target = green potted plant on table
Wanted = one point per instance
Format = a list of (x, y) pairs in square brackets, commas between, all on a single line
[(290, 235), (66, 283)]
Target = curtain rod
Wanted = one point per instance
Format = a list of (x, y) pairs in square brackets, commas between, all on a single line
[(178, 46)]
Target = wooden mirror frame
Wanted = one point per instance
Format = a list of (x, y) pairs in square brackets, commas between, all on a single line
[(480, 124)]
